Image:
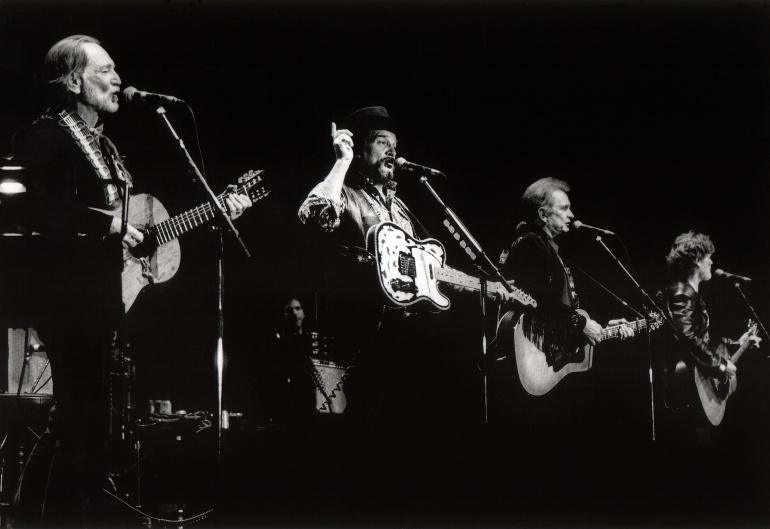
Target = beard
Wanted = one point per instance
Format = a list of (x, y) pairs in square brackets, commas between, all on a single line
[(100, 100), (380, 172)]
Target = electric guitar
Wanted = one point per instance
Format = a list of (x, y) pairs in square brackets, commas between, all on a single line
[(537, 377), (713, 393), (409, 269), (157, 258)]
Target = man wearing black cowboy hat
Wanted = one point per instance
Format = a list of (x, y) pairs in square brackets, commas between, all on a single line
[(359, 191), (357, 194)]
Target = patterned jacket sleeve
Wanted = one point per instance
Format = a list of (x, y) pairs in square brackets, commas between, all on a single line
[(323, 210)]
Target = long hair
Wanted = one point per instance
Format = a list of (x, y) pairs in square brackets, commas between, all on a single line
[(63, 59), (685, 253), (538, 195)]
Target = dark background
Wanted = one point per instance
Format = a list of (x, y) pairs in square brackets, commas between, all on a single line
[(657, 113)]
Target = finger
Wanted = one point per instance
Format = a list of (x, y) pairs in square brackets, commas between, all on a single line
[(334, 130), (243, 200), (239, 207)]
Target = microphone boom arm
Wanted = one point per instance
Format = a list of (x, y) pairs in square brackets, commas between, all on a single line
[(217, 208)]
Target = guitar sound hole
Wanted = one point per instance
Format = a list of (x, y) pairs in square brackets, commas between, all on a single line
[(144, 249)]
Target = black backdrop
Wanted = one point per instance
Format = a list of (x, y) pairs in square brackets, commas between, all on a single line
[(656, 112)]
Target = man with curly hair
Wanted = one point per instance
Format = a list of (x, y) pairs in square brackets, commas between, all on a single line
[(689, 263)]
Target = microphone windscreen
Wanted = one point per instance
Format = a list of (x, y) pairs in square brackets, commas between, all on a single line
[(129, 93), (577, 223)]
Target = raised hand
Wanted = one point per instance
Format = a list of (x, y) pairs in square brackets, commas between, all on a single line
[(343, 143)]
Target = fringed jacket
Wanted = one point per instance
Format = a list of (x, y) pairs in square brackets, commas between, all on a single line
[(535, 266)]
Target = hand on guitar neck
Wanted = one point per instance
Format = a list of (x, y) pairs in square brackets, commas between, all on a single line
[(497, 292), (753, 343), (751, 337), (593, 331)]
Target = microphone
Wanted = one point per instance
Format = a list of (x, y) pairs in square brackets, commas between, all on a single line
[(722, 273), (131, 95), (579, 225), (403, 165)]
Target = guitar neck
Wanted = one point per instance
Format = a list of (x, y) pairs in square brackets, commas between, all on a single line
[(737, 355), (172, 228), (455, 277), (614, 330)]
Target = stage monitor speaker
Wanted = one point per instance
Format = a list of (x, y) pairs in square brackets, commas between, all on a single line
[(36, 377)]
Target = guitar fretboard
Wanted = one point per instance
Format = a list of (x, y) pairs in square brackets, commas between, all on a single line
[(172, 228), (614, 331), (449, 275)]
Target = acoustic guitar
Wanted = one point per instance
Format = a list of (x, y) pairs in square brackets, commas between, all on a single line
[(536, 375), (714, 393), (158, 257)]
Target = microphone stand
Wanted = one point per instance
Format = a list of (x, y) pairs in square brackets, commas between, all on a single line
[(472, 248), (224, 220), (649, 347), (753, 312)]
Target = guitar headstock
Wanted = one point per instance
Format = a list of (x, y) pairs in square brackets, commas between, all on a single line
[(250, 178), (252, 183), (523, 297), (655, 321)]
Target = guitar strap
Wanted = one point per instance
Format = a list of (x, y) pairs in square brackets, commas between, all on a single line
[(414, 220), (88, 140)]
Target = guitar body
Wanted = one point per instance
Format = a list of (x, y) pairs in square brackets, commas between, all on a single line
[(713, 393), (536, 376), (162, 262), (406, 266)]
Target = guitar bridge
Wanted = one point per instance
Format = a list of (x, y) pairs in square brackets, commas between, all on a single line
[(406, 265), (146, 270)]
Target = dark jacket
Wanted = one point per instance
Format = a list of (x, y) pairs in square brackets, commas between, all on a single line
[(80, 270), (536, 268), (691, 346)]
